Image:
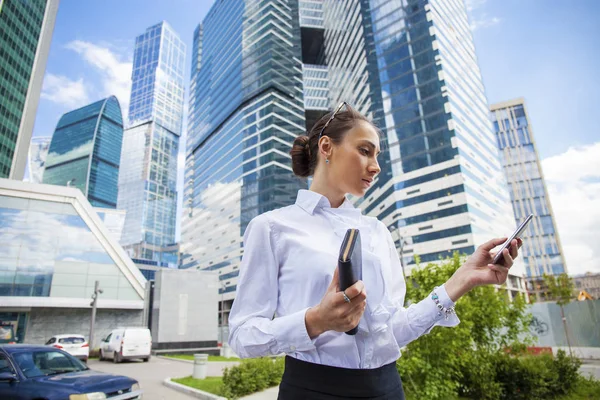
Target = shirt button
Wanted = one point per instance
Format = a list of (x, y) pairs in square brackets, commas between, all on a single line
[(293, 348)]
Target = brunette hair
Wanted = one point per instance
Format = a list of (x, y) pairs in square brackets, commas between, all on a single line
[(305, 149)]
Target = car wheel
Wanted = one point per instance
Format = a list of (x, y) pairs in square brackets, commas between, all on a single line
[(116, 358), (101, 356), (147, 359)]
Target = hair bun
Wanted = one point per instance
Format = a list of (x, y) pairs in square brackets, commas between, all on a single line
[(300, 153)]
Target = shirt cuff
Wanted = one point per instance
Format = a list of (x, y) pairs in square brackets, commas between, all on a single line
[(291, 334), (443, 297), (425, 313)]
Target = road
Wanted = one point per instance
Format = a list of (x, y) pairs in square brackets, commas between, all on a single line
[(153, 373), (590, 368)]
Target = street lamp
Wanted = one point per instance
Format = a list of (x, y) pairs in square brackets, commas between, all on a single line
[(94, 304), (223, 286), (70, 182), (222, 303)]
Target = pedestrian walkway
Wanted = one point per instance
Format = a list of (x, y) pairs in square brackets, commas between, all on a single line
[(152, 374), (590, 368)]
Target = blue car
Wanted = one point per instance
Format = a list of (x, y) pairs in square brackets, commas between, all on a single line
[(30, 372)]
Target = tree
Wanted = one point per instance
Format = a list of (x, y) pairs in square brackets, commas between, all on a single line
[(451, 361), (560, 288)]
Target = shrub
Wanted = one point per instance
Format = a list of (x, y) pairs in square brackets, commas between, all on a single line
[(484, 357), (252, 376)]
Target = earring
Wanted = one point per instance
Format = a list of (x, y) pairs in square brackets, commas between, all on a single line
[(327, 161)]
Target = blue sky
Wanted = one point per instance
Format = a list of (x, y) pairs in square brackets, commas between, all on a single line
[(546, 51)]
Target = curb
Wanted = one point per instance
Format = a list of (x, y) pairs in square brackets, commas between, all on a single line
[(175, 359), (199, 394)]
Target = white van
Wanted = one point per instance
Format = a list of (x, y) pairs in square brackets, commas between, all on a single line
[(126, 344)]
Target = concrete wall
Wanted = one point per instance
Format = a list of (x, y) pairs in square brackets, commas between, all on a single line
[(45, 322), (583, 322), (185, 309)]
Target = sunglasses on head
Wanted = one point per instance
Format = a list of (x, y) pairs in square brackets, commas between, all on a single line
[(337, 110)]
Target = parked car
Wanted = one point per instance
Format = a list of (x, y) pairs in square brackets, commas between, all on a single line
[(41, 372), (126, 344), (75, 345)]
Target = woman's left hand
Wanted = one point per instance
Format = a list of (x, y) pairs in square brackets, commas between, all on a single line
[(478, 269)]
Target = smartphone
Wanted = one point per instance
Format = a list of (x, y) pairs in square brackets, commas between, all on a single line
[(498, 258)]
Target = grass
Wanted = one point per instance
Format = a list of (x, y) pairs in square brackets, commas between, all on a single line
[(585, 389), (190, 357), (211, 384)]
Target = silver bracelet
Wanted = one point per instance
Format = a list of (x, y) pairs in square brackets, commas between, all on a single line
[(441, 309)]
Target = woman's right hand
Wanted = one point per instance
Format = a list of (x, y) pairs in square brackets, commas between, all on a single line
[(333, 313)]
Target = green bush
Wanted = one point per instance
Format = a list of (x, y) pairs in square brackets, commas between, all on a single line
[(583, 389), (484, 356), (252, 376), (567, 369), (475, 380)]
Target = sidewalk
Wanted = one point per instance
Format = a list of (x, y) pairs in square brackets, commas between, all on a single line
[(590, 368), (214, 368)]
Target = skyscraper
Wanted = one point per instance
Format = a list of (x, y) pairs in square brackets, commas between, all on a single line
[(85, 151), (148, 181), (25, 34), (441, 185), (542, 251), (246, 108), (36, 160), (276, 66)]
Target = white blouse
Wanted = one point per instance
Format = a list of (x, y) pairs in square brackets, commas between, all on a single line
[(290, 255)]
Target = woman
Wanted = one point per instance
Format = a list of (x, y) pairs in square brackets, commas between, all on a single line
[(289, 271)]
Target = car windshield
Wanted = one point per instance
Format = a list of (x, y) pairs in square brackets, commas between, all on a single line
[(71, 340), (40, 363)]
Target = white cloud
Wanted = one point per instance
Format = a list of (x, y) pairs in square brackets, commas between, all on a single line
[(62, 90), (483, 21), (573, 180), (114, 70), (479, 18), (475, 4)]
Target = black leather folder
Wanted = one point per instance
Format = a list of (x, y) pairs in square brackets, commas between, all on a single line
[(350, 263)]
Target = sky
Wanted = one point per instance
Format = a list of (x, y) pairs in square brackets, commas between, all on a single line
[(546, 51)]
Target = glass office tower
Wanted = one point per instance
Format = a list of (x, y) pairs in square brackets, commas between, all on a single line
[(411, 66), (85, 152), (148, 182), (259, 80), (25, 34), (542, 251), (246, 108)]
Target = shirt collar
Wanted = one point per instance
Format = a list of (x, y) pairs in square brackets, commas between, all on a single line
[(309, 201)]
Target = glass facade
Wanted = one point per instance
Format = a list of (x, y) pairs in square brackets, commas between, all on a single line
[(36, 161), (411, 66), (21, 28), (85, 152), (35, 261), (316, 88), (246, 108), (148, 182), (408, 65), (157, 78), (542, 251)]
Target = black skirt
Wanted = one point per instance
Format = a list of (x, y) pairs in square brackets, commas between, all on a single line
[(308, 381)]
